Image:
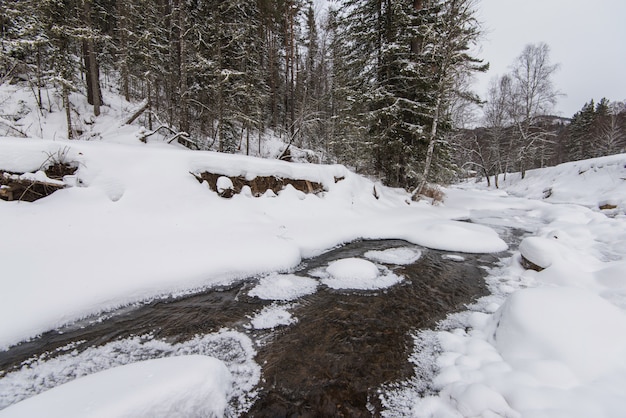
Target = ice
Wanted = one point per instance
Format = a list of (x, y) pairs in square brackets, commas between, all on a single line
[(358, 274), (39, 374), (453, 257), (399, 256), (284, 287), (273, 316), (168, 387)]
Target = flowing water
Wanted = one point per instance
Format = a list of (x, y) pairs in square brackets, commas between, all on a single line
[(344, 346)]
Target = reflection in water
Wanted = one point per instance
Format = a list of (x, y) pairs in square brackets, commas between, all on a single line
[(344, 346)]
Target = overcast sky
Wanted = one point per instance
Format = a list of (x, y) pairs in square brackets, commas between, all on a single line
[(587, 38)]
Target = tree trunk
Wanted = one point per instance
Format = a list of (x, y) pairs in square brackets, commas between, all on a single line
[(184, 102), (123, 33), (39, 101), (68, 112), (431, 147), (94, 95)]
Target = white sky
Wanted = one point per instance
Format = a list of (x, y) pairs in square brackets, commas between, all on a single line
[(587, 38)]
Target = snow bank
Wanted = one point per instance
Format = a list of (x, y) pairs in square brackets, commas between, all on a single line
[(543, 344), (168, 387), (592, 183), (66, 364), (455, 236), (560, 326), (138, 225)]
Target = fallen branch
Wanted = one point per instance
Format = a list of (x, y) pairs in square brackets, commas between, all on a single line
[(29, 190), (137, 113), (182, 138), (8, 125)]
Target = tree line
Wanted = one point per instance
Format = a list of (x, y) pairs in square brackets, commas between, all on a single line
[(519, 132), (372, 83)]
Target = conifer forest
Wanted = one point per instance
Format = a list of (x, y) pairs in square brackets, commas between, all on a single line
[(382, 86)]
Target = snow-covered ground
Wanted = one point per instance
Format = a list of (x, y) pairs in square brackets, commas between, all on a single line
[(543, 344), (180, 386), (136, 225)]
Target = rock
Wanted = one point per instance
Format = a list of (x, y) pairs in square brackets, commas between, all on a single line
[(225, 187)]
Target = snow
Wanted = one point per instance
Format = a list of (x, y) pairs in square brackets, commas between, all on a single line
[(353, 269), (273, 316), (283, 287), (233, 349), (169, 387), (357, 274), (574, 331), (399, 256), (540, 251), (591, 183), (542, 344), (224, 183), (136, 225)]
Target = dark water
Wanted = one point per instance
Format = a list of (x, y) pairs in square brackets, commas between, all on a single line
[(344, 345)]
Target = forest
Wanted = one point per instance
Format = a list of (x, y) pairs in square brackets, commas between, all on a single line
[(381, 86)]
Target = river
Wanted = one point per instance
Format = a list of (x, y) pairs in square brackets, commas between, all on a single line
[(343, 348)]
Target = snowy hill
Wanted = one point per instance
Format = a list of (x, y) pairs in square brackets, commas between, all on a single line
[(597, 184)]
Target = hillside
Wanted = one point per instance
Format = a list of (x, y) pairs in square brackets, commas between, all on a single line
[(597, 184)]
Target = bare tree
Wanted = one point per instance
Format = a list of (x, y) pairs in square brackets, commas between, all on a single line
[(534, 95)]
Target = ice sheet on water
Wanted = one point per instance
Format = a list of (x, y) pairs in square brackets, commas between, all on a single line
[(179, 386), (284, 287), (273, 316), (399, 256), (233, 348)]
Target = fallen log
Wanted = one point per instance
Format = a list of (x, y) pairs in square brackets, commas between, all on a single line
[(137, 113), (12, 187)]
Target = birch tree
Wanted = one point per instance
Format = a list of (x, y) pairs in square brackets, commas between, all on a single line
[(535, 96), (446, 48)]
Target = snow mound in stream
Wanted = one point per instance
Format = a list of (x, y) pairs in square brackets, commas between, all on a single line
[(273, 316), (358, 274), (284, 287), (168, 387), (400, 256)]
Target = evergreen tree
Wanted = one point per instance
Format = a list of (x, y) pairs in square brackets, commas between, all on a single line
[(580, 132)]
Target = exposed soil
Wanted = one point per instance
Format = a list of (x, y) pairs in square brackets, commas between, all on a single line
[(259, 185), (14, 188)]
